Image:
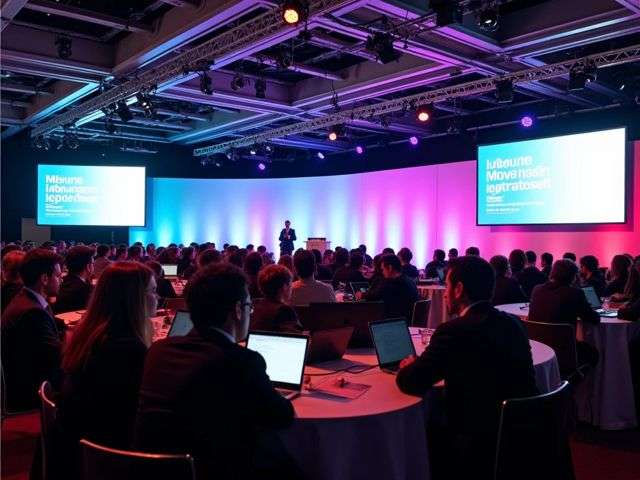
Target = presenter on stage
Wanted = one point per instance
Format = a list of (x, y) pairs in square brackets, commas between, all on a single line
[(287, 237)]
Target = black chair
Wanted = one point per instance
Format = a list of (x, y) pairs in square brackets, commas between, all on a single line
[(48, 414), (103, 463), (338, 314), (533, 437), (420, 315), (303, 312)]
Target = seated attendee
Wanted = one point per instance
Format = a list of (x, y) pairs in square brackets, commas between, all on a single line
[(207, 257), (168, 256), (322, 271), (307, 289), (405, 255), (11, 281), (619, 271), (352, 272), (150, 251), (31, 343), (484, 357), (273, 313), (205, 395), (101, 261), (252, 266), (472, 251), (507, 289), (435, 266), (377, 275), (388, 251), (134, 253), (557, 301), (164, 288), (287, 262), (103, 361), (453, 254), (250, 247), (328, 259), (590, 275), (546, 261), (517, 261), (76, 287), (340, 259), (186, 260), (570, 256), (396, 290), (632, 288), (368, 261), (530, 276)]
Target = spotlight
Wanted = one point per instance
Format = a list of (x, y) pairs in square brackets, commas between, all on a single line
[(238, 82), (218, 163), (268, 148), (382, 45), (424, 113), (64, 47), (261, 87), (488, 19), (122, 110), (504, 91), (253, 151), (580, 75), (526, 121), (413, 141), (320, 155), (261, 166), (293, 11), (335, 132), (144, 100), (333, 136), (359, 150)]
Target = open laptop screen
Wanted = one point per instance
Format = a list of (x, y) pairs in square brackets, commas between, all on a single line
[(392, 341), (592, 297), (181, 325), (284, 355), (170, 270)]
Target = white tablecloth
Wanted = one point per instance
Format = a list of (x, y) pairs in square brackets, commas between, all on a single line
[(382, 433), (438, 310), (605, 398)]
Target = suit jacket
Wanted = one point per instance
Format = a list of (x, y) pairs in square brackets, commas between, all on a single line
[(346, 275), (286, 245), (410, 271), (431, 270), (528, 278), (271, 316), (508, 290), (73, 295), (9, 290), (553, 303), (398, 294), (205, 395), (31, 349)]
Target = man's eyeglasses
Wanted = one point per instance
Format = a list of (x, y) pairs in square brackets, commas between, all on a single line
[(249, 304)]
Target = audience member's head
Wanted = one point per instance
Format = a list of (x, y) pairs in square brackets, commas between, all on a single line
[(405, 255), (250, 248), (341, 257), (252, 264), (10, 248), (262, 249), (363, 249), (207, 257), (473, 251), (235, 258), (438, 255), (187, 254), (588, 266), (570, 256), (287, 262), (304, 262), (11, 263), (470, 279), (531, 257), (356, 260), (40, 271), (316, 254), (328, 257), (453, 253), (155, 268), (218, 298), (134, 253), (388, 251), (275, 282), (121, 252), (102, 251), (500, 265), (377, 264), (564, 272), (390, 265), (517, 260), (79, 261), (546, 260), (151, 250), (620, 266)]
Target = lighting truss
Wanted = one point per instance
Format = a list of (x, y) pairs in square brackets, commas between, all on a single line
[(612, 57), (237, 39)]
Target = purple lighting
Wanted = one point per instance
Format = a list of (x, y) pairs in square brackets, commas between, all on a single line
[(413, 140), (526, 121), (261, 166), (359, 150)]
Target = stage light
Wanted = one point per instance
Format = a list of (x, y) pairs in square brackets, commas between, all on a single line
[(382, 45), (424, 113), (268, 148), (261, 88), (206, 83), (238, 82), (526, 121), (64, 47), (359, 150), (504, 91), (488, 19), (333, 136), (413, 141), (122, 110), (293, 11), (320, 155), (580, 75), (261, 166), (144, 100), (335, 132), (253, 151)]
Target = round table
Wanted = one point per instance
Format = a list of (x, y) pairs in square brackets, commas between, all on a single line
[(381, 434), (437, 310), (605, 398)]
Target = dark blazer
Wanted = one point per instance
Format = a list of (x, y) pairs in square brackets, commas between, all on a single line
[(553, 303), (431, 270), (73, 295), (398, 294), (410, 271), (9, 290), (31, 349), (598, 283), (345, 275), (286, 245), (272, 316), (205, 395), (508, 290), (528, 278)]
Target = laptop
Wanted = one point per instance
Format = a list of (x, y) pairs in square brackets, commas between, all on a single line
[(170, 270), (596, 304), (181, 324), (361, 287), (284, 354), (329, 344), (392, 341)]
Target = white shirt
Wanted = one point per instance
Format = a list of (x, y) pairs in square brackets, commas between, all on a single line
[(304, 292), (41, 300)]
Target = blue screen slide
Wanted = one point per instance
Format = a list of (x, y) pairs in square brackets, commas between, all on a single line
[(559, 180), (89, 195)]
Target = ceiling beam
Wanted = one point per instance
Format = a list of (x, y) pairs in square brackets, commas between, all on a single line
[(632, 5), (14, 103), (10, 9), (24, 89), (327, 41), (298, 67), (174, 113)]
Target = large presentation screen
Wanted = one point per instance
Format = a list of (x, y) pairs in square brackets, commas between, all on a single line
[(559, 180), (91, 195)]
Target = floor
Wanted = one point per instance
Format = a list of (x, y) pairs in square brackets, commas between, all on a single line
[(597, 454)]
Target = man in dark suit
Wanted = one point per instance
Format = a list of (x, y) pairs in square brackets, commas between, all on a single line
[(76, 287), (557, 301), (507, 289), (437, 264), (530, 276), (287, 237), (205, 395), (484, 357), (31, 343), (351, 272), (590, 275)]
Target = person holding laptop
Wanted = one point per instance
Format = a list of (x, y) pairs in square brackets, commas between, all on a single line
[(484, 357), (205, 395)]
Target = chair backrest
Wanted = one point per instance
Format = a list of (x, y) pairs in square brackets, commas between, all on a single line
[(178, 303), (562, 338), (338, 314), (303, 312), (103, 463), (420, 313), (533, 437), (48, 413)]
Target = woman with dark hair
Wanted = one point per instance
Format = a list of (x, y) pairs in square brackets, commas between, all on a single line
[(620, 266), (252, 266), (164, 288), (517, 261), (104, 359), (186, 260), (273, 313)]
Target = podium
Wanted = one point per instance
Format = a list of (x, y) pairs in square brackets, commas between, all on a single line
[(319, 243)]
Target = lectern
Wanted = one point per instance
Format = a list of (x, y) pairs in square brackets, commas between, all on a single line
[(319, 243)]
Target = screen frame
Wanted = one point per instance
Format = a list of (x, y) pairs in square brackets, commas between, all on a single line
[(625, 187), (144, 200)]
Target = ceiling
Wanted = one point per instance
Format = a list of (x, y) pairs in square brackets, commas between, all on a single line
[(58, 54)]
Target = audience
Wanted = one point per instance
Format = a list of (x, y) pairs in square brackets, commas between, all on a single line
[(436, 267), (453, 254), (273, 313), (530, 276), (286, 261), (76, 287), (186, 260), (323, 272), (307, 289), (205, 395), (569, 256), (546, 261), (252, 266), (31, 341), (11, 281), (507, 289), (164, 288), (405, 255), (590, 275), (619, 271), (484, 357), (368, 261), (134, 253), (340, 260), (101, 260), (351, 272), (517, 261), (472, 251)]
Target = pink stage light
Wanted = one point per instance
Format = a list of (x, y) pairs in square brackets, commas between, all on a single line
[(359, 150), (413, 140), (261, 166), (526, 121)]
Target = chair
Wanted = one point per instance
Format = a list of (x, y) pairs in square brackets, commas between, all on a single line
[(562, 338), (303, 312), (420, 315), (533, 437), (103, 463), (338, 314), (48, 413), (178, 303)]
